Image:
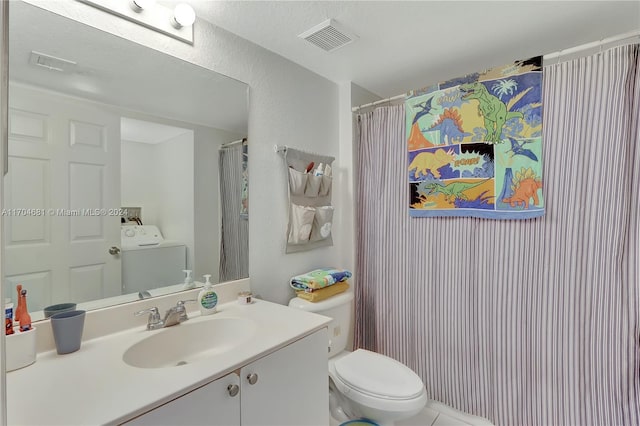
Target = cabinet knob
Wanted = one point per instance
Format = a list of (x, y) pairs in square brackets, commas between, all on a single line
[(233, 390), (252, 378)]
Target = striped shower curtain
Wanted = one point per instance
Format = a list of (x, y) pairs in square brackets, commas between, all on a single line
[(533, 322), (234, 238)]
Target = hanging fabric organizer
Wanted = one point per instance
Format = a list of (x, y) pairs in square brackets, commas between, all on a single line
[(310, 210)]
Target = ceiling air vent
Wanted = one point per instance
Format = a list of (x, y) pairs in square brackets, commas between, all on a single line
[(328, 36)]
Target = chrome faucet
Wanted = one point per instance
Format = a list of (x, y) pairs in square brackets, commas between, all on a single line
[(173, 316)]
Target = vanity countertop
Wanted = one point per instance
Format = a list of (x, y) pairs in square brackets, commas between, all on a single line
[(95, 386)]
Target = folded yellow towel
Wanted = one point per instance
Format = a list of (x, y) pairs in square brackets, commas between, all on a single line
[(324, 293)]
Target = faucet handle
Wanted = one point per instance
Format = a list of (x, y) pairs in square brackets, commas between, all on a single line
[(182, 310), (154, 317), (153, 311)]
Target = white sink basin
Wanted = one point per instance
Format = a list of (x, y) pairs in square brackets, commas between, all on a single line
[(189, 342)]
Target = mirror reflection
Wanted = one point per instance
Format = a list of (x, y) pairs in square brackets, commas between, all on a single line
[(127, 167)]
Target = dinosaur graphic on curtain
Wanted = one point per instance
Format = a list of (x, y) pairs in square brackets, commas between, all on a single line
[(481, 135)]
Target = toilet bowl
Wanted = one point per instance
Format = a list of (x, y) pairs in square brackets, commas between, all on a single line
[(373, 386), (364, 384)]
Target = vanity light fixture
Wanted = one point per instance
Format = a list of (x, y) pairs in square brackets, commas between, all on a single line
[(140, 5), (176, 23), (183, 16)]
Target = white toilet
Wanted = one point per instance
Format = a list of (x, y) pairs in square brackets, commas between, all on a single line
[(364, 384)]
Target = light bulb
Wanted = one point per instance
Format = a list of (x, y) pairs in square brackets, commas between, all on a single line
[(139, 5), (183, 16)]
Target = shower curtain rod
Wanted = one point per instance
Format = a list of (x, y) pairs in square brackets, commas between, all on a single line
[(549, 56), (224, 145)]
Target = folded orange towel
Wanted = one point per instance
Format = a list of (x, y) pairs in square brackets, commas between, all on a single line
[(324, 293)]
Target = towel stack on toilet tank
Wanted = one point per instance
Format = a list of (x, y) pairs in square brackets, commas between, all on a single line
[(321, 284)]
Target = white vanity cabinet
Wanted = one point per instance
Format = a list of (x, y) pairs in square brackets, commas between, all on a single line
[(291, 387), (286, 387), (213, 404)]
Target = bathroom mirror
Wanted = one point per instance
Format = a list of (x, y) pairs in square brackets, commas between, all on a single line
[(114, 180)]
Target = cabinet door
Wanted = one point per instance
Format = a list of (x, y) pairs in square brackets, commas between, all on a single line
[(211, 404), (292, 386)]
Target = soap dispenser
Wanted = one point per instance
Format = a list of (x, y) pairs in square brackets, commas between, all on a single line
[(188, 283), (207, 298)]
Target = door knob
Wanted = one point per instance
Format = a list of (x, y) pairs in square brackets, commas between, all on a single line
[(233, 390), (114, 250), (252, 378)]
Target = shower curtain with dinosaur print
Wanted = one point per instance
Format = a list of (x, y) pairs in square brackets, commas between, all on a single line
[(475, 145)]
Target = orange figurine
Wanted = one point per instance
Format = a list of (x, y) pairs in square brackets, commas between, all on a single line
[(22, 313), (16, 313)]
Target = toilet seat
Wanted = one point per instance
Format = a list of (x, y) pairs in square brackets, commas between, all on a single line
[(378, 376)]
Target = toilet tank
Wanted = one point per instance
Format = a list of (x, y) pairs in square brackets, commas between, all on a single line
[(340, 309)]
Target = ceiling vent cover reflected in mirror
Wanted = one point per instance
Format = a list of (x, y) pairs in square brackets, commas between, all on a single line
[(329, 36), (52, 63)]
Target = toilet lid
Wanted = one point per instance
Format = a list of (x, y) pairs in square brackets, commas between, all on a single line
[(378, 375)]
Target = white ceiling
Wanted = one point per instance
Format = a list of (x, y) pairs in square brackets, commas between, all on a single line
[(402, 45), (406, 45), (141, 131)]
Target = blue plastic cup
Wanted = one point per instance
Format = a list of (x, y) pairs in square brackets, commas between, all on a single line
[(67, 330), (59, 308)]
